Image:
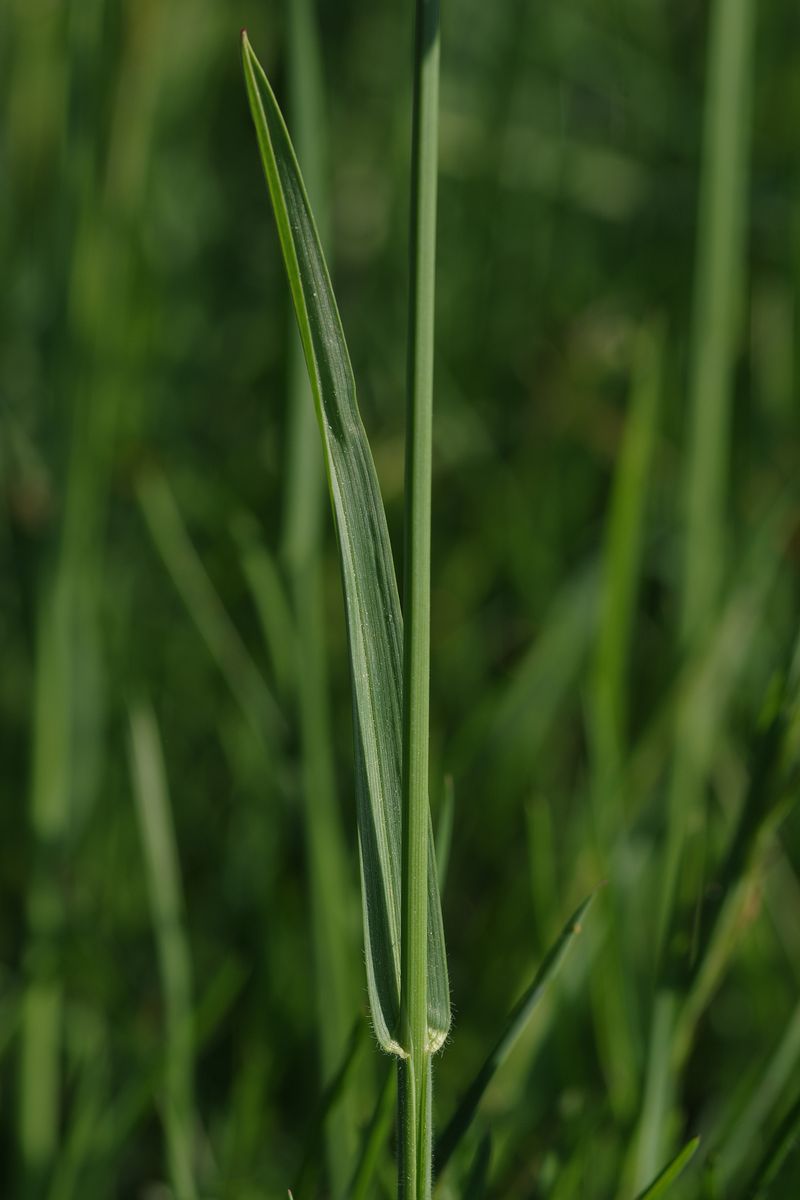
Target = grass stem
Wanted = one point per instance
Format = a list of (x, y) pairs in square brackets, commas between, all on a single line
[(415, 1073)]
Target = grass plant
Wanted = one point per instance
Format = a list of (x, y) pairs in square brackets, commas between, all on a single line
[(567, 567)]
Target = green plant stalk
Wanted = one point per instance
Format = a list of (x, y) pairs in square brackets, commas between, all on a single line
[(720, 263), (614, 1001), (415, 1073), (39, 1101)]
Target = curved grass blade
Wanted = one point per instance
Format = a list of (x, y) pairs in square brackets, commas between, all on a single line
[(671, 1172), (372, 605), (465, 1113)]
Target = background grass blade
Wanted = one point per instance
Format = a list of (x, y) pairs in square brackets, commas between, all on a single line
[(307, 1176), (663, 1181), (464, 1115), (717, 310), (771, 792), (622, 566), (371, 599), (478, 1178), (204, 606), (717, 304), (40, 1080), (783, 1142), (615, 1002), (375, 1137), (166, 903)]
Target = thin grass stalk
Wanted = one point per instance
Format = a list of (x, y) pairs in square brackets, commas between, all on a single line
[(718, 289), (614, 1000), (717, 303), (415, 1072), (162, 872), (39, 1100)]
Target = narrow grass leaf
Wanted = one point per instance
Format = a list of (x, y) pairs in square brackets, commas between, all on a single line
[(41, 1017), (372, 606), (375, 1138), (746, 1127), (191, 579), (478, 1178), (465, 1113), (671, 1171), (614, 999), (312, 1157), (162, 872), (271, 602), (512, 725), (770, 794), (622, 560)]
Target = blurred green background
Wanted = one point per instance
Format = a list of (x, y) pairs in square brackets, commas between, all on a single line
[(589, 273)]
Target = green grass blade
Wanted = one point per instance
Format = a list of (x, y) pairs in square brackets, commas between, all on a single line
[(162, 872), (205, 607), (271, 602), (622, 559), (514, 723), (747, 1127), (671, 1171), (614, 999), (465, 1113), (375, 1138), (783, 1142), (478, 1178), (121, 1117), (372, 604), (772, 790), (717, 301), (330, 1098), (40, 1082)]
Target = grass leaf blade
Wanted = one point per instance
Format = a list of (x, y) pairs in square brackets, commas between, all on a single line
[(671, 1172), (372, 605), (464, 1115)]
